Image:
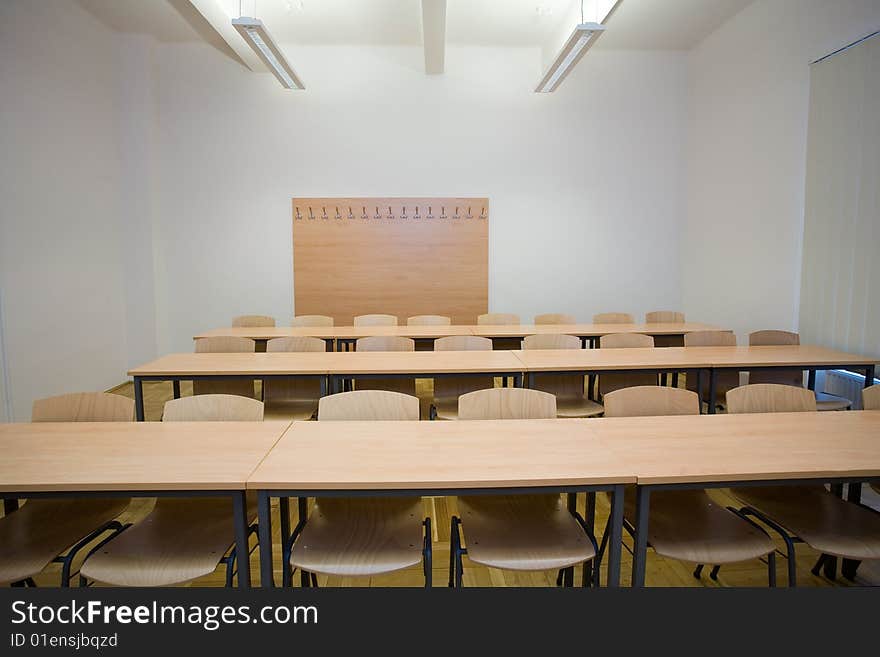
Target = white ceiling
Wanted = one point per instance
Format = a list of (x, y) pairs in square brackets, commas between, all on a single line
[(637, 24)]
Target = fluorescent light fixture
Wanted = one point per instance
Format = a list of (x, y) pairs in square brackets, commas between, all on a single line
[(578, 43), (254, 32)]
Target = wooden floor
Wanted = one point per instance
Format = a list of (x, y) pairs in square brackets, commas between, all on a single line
[(660, 571)]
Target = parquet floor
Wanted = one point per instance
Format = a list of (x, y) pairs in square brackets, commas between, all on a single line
[(660, 571)]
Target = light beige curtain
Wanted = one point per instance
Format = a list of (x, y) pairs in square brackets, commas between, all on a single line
[(840, 283)]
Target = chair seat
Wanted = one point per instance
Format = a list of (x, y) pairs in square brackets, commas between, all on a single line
[(578, 407), (828, 402), (180, 540), (292, 409), (357, 537), (41, 530), (522, 532), (689, 526), (821, 519)]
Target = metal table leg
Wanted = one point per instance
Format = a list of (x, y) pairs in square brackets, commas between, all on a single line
[(265, 520), (850, 566), (713, 385), (242, 550), (138, 399), (640, 548), (615, 539), (175, 387), (284, 521)]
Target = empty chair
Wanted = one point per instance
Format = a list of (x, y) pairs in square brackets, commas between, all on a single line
[(611, 381), (253, 320), (517, 532), (555, 318), (312, 320), (871, 398), (43, 531), (294, 398), (688, 525), (375, 320), (571, 398), (448, 389), (808, 514), (664, 316), (613, 318), (790, 377), (224, 345), (387, 343), (362, 536), (428, 320), (725, 380), (180, 539), (498, 319)]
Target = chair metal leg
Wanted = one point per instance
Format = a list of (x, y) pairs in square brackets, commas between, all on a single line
[(114, 526), (426, 554), (771, 569), (713, 575), (789, 543), (698, 571), (454, 550)]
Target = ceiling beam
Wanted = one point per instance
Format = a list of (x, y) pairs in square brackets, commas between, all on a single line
[(434, 35), (222, 23)]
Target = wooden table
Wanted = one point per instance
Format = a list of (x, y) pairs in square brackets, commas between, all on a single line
[(590, 333), (740, 450), (124, 459), (370, 459)]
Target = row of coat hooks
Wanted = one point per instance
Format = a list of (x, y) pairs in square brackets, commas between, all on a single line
[(381, 214)]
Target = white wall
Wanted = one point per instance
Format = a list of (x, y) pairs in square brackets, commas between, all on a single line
[(60, 261), (585, 185), (748, 96)]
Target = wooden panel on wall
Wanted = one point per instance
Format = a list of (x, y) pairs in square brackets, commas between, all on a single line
[(396, 256)]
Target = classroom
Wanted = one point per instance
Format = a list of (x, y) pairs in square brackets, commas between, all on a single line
[(439, 293)]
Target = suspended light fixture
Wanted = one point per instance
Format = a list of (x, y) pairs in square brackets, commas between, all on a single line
[(254, 32)]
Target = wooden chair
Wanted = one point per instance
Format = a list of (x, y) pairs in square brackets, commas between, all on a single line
[(428, 320), (555, 318), (664, 316), (224, 345), (387, 343), (293, 398), (43, 531), (517, 532), (687, 525), (181, 539), (804, 514), (253, 321), (611, 381), (312, 320), (448, 389), (613, 318), (571, 398), (361, 536), (725, 380), (375, 320), (791, 377), (498, 319)]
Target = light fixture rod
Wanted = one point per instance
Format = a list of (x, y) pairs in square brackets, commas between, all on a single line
[(258, 38)]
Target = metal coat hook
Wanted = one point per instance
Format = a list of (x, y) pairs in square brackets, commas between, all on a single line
[(483, 214), (390, 214), (324, 213), (298, 215), (469, 215), (416, 215), (350, 213), (378, 216), (443, 212), (403, 214), (455, 216), (364, 212), (338, 216), (430, 213), (311, 214)]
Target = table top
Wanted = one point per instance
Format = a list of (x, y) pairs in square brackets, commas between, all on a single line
[(804, 355), (753, 447), (245, 364), (590, 330), (424, 455), (132, 456)]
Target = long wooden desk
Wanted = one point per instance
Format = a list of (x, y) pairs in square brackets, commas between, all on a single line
[(725, 450), (591, 332), (125, 459), (437, 458)]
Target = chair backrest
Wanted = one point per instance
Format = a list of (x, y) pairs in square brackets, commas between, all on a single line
[(551, 341), (386, 343), (83, 407), (375, 320), (498, 318), (783, 376), (450, 388), (770, 398), (625, 341), (293, 388), (253, 320), (507, 404), (650, 400), (463, 343), (555, 318), (312, 320), (428, 320), (668, 316), (613, 318), (611, 381), (368, 405), (213, 408), (710, 339), (224, 345), (871, 398)]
